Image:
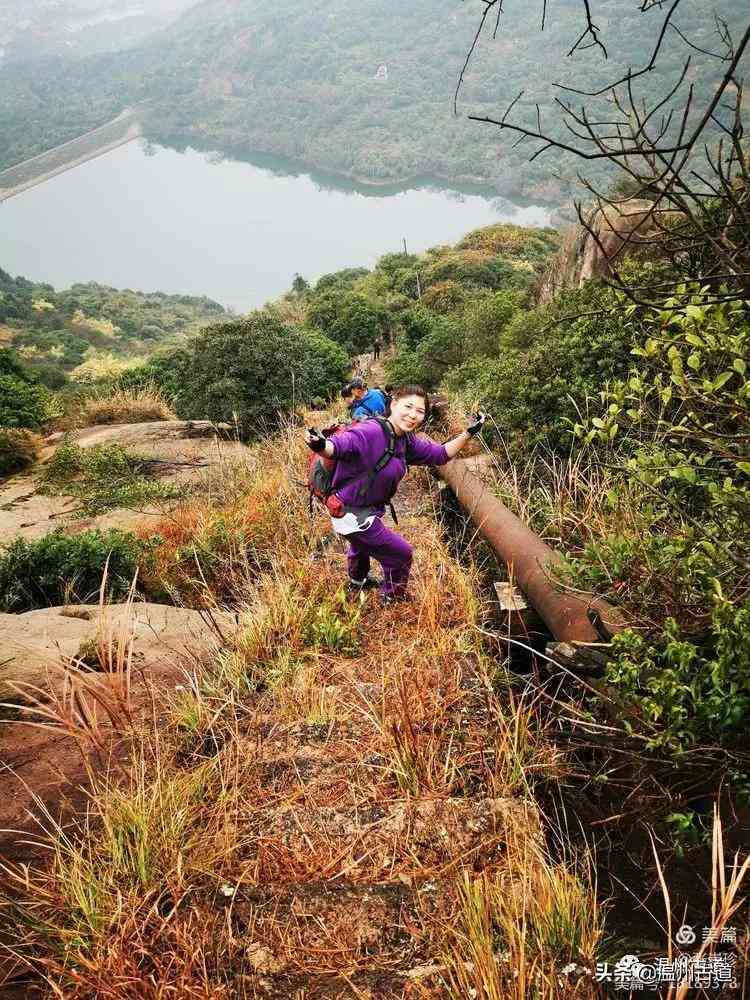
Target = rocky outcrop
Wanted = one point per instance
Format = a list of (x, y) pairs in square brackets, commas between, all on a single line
[(622, 229), (38, 647), (184, 451), (42, 655), (54, 657)]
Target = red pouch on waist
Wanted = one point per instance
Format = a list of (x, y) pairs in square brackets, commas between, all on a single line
[(334, 506)]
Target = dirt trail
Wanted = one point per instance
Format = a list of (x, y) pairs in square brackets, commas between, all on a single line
[(371, 785), (366, 788)]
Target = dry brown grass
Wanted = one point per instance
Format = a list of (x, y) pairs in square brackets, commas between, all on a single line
[(518, 929), (87, 707), (124, 406), (330, 740), (19, 449), (212, 548)]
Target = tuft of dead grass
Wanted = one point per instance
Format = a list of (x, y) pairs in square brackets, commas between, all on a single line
[(88, 707), (19, 449), (517, 929), (123, 406)]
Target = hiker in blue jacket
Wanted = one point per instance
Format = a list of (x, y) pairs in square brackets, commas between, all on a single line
[(363, 402)]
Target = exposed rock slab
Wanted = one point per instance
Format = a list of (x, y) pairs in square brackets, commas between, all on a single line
[(189, 452), (42, 764), (620, 230), (37, 645)]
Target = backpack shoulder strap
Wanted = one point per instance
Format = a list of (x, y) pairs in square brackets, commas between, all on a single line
[(384, 459), (390, 437)]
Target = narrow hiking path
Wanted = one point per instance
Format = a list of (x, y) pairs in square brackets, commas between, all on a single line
[(337, 805)]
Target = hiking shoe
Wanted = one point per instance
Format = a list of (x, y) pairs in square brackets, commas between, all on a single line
[(357, 586), (388, 599)]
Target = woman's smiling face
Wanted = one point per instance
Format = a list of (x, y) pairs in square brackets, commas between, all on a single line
[(407, 413)]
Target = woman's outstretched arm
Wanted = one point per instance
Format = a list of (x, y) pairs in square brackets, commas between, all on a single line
[(427, 452), (461, 440), (457, 443), (349, 443)]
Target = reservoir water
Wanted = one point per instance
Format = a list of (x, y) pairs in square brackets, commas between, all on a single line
[(154, 219)]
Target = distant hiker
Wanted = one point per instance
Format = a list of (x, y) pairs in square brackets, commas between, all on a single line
[(376, 349), (371, 459), (363, 402)]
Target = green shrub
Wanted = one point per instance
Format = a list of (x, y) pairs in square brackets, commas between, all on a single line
[(62, 568), (681, 414), (486, 318), (23, 402), (348, 319), (18, 450), (512, 241), (258, 368), (340, 281), (674, 430), (103, 478), (165, 370), (440, 349), (416, 322), (475, 268), (10, 364), (687, 693), (657, 571), (535, 394), (446, 297), (50, 375)]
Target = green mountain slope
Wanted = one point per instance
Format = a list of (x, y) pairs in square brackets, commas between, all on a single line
[(55, 332), (302, 81)]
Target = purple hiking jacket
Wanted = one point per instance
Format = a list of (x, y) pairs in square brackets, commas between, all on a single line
[(358, 450)]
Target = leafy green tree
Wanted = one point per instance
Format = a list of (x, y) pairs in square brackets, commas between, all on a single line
[(164, 370), (349, 319), (23, 402), (340, 281), (534, 393), (416, 322), (440, 349), (258, 368), (484, 320), (152, 332), (299, 285)]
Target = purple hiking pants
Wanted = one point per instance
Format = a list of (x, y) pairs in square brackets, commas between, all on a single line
[(392, 551)]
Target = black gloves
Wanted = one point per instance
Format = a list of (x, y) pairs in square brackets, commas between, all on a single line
[(477, 423), (315, 440)]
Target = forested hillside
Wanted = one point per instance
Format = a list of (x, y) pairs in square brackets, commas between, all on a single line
[(365, 90), (89, 326)]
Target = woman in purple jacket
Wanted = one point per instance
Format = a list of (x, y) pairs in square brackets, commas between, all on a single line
[(365, 490)]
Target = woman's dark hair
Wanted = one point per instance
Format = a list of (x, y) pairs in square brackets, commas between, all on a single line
[(412, 390)]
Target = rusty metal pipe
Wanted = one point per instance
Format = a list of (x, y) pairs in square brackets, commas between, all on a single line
[(529, 560)]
